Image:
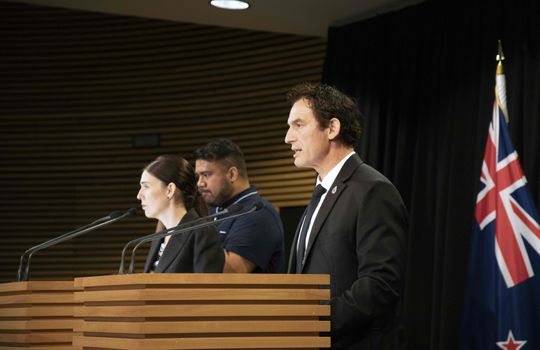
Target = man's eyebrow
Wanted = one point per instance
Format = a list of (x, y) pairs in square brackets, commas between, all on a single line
[(295, 120)]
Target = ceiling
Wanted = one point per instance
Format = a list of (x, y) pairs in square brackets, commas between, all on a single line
[(303, 17)]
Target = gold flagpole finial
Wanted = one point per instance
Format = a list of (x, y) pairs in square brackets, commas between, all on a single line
[(500, 54), (500, 83), (500, 58)]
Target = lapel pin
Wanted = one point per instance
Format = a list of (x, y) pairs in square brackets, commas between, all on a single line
[(334, 190)]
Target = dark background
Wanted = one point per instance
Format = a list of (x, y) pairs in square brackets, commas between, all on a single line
[(76, 88), (424, 79)]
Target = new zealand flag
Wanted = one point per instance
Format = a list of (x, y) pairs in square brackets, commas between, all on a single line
[(502, 300)]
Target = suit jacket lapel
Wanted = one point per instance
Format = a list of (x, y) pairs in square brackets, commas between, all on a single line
[(152, 255), (172, 250), (332, 195), (175, 244)]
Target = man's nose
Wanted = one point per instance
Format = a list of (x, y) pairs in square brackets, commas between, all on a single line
[(288, 136)]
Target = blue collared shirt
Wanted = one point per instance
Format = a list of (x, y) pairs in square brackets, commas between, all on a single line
[(257, 237)]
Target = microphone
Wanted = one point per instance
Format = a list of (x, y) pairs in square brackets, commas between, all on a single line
[(233, 209), (176, 230), (112, 217)]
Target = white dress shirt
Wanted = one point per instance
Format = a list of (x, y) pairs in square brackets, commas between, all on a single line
[(326, 183)]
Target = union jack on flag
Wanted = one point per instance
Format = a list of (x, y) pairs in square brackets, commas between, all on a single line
[(502, 301)]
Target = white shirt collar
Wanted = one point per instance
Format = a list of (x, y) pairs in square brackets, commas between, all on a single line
[(332, 174)]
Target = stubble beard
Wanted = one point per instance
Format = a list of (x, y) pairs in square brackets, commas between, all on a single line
[(223, 195)]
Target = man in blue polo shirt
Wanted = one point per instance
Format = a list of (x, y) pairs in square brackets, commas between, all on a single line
[(254, 242)]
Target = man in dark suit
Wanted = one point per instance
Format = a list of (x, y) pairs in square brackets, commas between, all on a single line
[(356, 230)]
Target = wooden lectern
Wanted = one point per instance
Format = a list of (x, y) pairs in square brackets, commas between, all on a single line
[(37, 315), (203, 311)]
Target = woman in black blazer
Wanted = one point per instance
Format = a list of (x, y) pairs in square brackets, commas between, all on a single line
[(169, 194)]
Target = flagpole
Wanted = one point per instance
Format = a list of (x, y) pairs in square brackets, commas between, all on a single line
[(500, 82), (500, 54)]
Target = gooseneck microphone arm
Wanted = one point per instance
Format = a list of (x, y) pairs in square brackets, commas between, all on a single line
[(109, 219), (231, 210), (175, 231), (41, 245)]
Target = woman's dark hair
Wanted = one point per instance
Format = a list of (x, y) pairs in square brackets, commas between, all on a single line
[(327, 102), (173, 169)]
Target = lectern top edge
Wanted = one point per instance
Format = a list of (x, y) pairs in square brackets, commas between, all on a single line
[(37, 286), (202, 278)]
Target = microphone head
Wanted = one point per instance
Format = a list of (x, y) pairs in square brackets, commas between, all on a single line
[(131, 211), (235, 208), (115, 214), (258, 205)]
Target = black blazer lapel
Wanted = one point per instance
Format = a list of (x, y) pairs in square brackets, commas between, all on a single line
[(332, 195), (176, 244), (324, 212), (172, 251), (152, 255)]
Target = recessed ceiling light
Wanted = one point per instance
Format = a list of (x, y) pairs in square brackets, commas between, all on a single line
[(230, 4)]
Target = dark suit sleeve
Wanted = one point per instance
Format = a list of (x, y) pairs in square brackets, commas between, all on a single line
[(208, 255), (380, 226)]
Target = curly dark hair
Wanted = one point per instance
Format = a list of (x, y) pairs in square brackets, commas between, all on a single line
[(327, 102), (224, 151)]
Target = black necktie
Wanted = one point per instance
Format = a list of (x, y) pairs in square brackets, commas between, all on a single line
[(315, 198)]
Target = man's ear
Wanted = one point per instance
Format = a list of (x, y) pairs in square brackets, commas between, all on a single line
[(334, 127), (232, 174)]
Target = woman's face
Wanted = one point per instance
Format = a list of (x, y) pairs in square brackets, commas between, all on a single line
[(153, 195)]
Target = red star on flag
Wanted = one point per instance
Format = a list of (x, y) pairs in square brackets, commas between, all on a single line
[(511, 343)]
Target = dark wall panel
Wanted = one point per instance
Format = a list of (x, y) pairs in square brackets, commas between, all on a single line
[(79, 91)]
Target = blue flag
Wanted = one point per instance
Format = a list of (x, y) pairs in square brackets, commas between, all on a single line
[(502, 300)]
